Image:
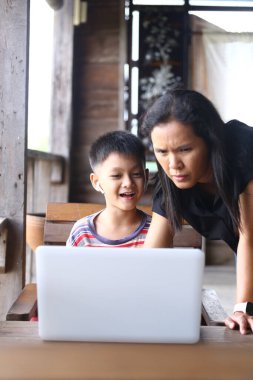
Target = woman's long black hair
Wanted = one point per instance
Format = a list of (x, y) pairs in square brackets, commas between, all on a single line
[(192, 108)]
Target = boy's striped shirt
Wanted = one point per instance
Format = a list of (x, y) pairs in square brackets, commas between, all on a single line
[(83, 234)]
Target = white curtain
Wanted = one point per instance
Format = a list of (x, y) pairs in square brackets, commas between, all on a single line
[(222, 69)]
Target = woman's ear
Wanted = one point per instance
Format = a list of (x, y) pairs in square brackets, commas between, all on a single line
[(95, 183)]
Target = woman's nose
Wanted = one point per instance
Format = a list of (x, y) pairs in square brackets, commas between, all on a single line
[(174, 162)]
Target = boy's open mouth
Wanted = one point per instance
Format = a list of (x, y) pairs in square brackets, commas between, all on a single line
[(127, 195)]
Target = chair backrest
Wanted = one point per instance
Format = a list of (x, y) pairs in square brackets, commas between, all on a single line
[(60, 218)]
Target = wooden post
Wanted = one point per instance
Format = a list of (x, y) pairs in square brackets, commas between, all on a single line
[(61, 113), (14, 27)]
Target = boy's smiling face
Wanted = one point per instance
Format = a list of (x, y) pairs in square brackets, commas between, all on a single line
[(122, 179)]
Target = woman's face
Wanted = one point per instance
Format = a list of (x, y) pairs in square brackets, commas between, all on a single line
[(182, 154)]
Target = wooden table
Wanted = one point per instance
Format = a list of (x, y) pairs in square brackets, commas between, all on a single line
[(220, 354)]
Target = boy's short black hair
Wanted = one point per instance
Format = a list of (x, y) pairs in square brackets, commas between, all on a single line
[(122, 142)]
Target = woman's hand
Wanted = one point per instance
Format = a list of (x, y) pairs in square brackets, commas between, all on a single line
[(240, 320)]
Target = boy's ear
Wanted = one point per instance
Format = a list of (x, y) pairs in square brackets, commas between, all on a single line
[(95, 183)]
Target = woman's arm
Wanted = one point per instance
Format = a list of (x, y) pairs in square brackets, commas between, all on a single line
[(160, 233), (244, 265)]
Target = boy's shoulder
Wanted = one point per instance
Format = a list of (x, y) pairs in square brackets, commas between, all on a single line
[(85, 220), (147, 216)]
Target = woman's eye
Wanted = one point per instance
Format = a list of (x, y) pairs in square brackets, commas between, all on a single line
[(137, 175), (186, 149)]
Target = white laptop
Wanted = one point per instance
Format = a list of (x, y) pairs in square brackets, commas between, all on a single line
[(119, 294)]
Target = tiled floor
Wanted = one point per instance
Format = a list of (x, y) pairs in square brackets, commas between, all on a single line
[(222, 278)]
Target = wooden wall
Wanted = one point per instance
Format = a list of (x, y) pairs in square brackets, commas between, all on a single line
[(99, 50), (14, 21)]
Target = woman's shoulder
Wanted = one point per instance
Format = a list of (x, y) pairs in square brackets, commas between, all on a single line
[(239, 139), (235, 128), (237, 123)]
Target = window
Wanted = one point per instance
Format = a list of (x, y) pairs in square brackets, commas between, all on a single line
[(40, 74), (160, 55)]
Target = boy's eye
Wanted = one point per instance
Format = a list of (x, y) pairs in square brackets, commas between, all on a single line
[(161, 151), (115, 176)]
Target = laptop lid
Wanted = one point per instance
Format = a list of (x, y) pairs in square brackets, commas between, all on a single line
[(119, 294)]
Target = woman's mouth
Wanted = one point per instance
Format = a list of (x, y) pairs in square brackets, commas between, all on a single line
[(179, 178)]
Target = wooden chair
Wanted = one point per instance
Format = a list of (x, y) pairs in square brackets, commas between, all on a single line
[(59, 220)]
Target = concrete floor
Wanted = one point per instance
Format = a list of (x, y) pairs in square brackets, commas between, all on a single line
[(222, 278)]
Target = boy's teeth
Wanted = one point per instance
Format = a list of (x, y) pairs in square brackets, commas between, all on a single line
[(127, 194)]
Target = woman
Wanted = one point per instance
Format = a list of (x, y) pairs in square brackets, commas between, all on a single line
[(205, 172)]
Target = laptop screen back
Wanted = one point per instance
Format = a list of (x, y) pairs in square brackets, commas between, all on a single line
[(119, 294)]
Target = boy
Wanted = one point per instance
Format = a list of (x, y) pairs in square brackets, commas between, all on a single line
[(118, 163)]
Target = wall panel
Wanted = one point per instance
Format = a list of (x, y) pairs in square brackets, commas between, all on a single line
[(97, 87)]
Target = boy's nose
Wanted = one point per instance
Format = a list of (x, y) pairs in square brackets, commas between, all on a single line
[(127, 181)]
